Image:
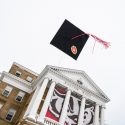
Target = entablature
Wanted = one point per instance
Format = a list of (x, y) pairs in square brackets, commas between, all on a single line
[(16, 82)]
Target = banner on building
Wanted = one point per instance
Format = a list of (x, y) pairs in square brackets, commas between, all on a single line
[(56, 103), (89, 113), (73, 110)]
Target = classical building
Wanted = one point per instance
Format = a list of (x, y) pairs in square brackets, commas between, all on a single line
[(56, 96)]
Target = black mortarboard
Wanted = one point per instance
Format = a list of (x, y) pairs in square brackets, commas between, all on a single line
[(70, 39)]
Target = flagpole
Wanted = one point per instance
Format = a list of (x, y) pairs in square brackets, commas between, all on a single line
[(60, 59)]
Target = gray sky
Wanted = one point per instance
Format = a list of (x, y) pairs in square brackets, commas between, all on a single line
[(28, 26)]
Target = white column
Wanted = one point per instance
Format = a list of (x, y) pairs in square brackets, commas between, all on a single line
[(35, 101), (96, 117), (102, 115), (65, 107), (31, 102), (81, 113), (46, 103)]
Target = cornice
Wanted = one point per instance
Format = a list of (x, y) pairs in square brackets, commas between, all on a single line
[(23, 82), (24, 68), (94, 85)]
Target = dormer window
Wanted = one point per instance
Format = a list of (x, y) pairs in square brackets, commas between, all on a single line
[(18, 73), (29, 79), (20, 96), (7, 91)]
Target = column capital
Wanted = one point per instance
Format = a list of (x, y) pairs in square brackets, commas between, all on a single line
[(68, 89), (97, 104), (46, 78), (53, 81), (83, 97), (104, 107)]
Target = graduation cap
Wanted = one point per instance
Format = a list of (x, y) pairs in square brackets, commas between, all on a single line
[(70, 39)]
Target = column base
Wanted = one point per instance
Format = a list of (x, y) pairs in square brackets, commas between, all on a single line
[(40, 122), (30, 117)]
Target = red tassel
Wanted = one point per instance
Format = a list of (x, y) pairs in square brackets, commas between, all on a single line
[(106, 44)]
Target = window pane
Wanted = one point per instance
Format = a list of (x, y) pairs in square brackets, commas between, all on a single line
[(29, 79), (10, 114), (6, 93), (9, 117), (18, 73), (19, 98)]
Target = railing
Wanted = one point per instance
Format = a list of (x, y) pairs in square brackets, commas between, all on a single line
[(49, 121)]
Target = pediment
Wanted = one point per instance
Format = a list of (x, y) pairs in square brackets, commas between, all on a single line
[(80, 77)]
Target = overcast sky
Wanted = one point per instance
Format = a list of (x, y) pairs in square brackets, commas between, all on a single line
[(28, 26)]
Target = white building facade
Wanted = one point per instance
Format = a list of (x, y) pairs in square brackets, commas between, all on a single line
[(65, 97)]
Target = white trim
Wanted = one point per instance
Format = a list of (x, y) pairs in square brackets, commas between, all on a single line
[(16, 82), (24, 68), (16, 78)]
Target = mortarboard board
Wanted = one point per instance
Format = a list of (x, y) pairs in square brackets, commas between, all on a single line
[(66, 41), (71, 40)]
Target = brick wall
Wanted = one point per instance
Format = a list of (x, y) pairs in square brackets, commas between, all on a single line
[(24, 73), (10, 102)]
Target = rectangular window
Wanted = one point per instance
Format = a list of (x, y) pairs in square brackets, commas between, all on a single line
[(20, 96), (29, 79), (10, 114), (18, 73), (7, 91)]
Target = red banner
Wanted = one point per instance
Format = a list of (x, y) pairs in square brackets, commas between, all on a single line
[(56, 103)]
